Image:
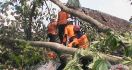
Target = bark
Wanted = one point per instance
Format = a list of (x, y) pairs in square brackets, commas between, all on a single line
[(61, 48), (82, 16)]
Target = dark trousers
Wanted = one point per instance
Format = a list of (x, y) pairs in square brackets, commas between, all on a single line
[(61, 29), (52, 37)]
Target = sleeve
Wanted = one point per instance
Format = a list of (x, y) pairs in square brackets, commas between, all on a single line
[(76, 41), (84, 39), (81, 39)]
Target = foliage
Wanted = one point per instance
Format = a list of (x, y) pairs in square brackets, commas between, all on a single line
[(28, 20), (127, 40), (128, 61), (21, 57), (97, 64), (106, 43), (100, 64), (128, 51), (73, 64), (114, 43)]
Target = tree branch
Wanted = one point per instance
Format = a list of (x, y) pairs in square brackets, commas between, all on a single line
[(61, 48)]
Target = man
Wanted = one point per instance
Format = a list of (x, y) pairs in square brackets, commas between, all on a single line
[(80, 40), (62, 20), (69, 32), (52, 30)]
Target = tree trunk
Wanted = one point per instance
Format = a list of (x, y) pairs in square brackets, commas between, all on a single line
[(61, 48), (82, 16), (29, 33)]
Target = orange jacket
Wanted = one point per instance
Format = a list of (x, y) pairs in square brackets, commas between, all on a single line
[(69, 31), (82, 42), (62, 17), (52, 28)]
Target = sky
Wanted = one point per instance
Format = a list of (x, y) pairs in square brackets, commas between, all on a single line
[(118, 8)]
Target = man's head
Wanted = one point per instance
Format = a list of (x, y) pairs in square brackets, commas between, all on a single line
[(76, 28), (69, 21)]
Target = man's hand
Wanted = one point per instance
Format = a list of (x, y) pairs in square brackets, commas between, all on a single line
[(70, 45)]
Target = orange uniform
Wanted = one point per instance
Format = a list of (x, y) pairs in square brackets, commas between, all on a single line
[(52, 28), (62, 21), (69, 31), (62, 17), (82, 42)]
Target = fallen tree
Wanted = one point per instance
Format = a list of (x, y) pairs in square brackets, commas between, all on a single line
[(61, 48), (82, 16), (100, 22)]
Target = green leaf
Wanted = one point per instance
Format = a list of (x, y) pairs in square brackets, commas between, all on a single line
[(96, 64), (103, 66), (114, 44), (127, 62), (128, 51), (100, 64)]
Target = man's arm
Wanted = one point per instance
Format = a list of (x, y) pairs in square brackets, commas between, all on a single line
[(65, 36), (73, 43)]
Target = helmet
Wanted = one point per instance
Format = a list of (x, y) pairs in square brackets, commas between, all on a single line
[(76, 28)]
